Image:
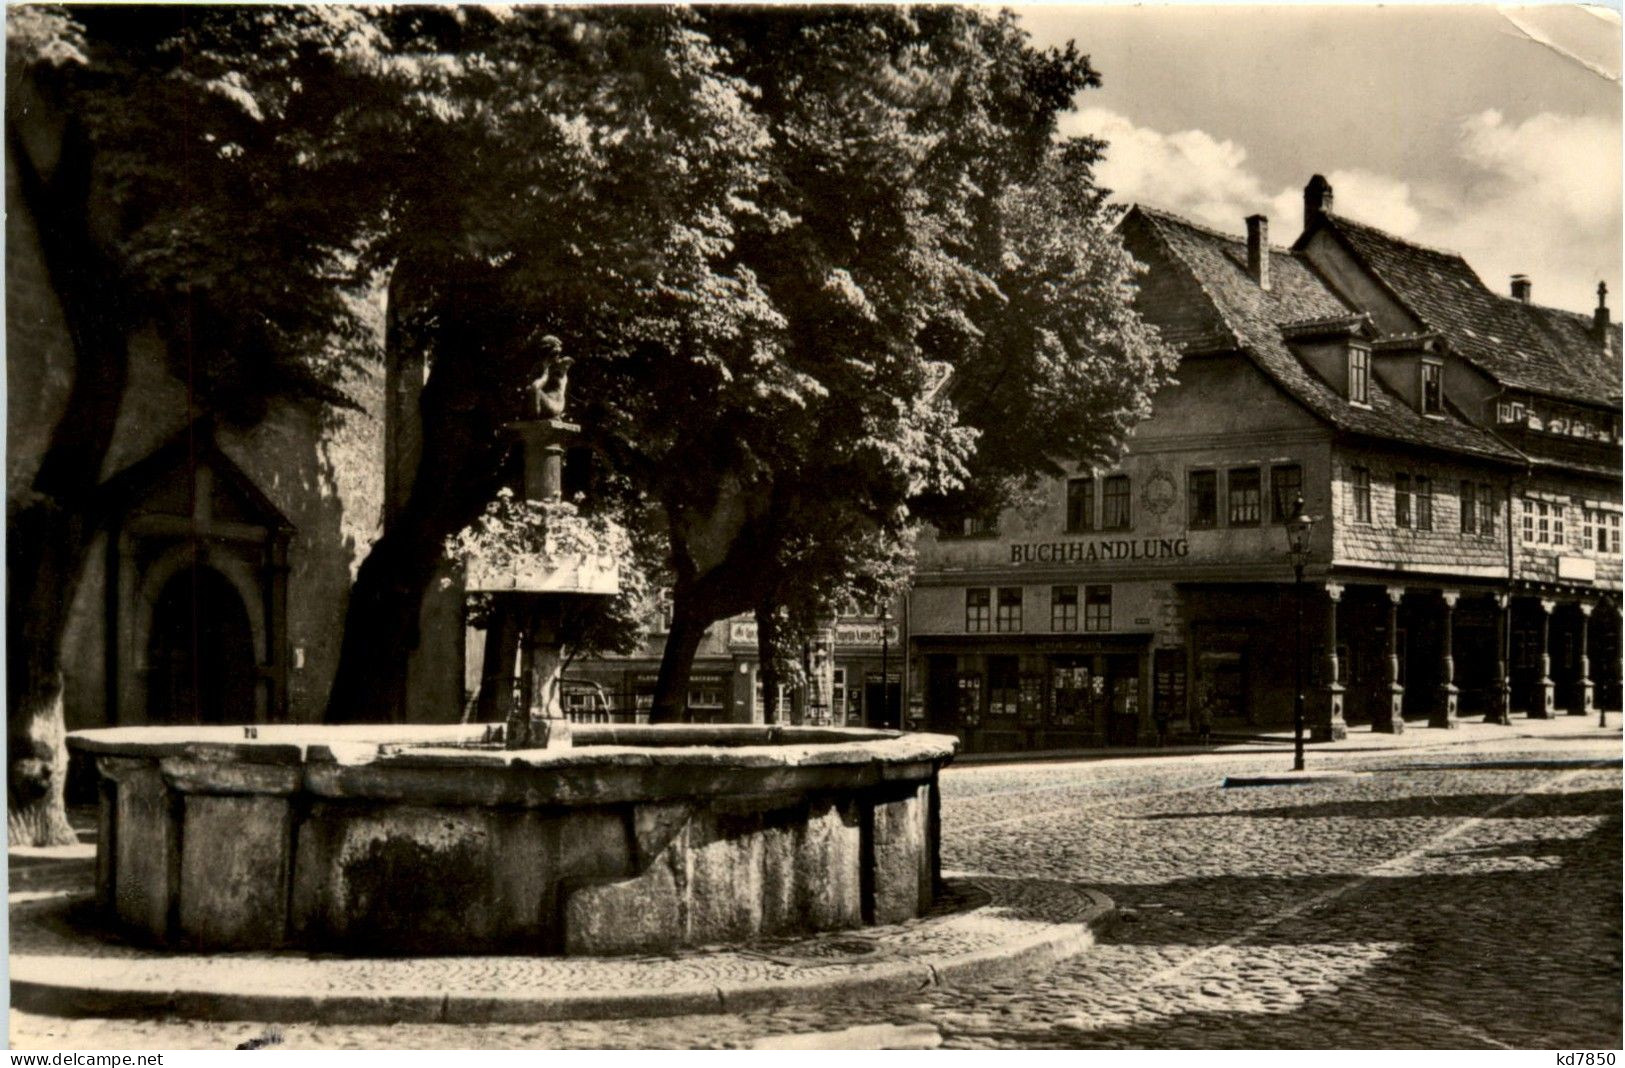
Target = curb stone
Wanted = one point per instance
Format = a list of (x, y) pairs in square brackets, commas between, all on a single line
[(62, 971), (1292, 778)]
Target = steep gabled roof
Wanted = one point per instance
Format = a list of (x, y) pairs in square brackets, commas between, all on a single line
[(1522, 346), (1256, 318)]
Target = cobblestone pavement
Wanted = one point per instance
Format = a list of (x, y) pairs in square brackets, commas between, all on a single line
[(1467, 897)]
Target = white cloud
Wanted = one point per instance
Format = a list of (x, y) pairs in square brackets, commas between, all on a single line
[(1543, 198), (1189, 172), (1195, 174), (1540, 197), (1374, 198)]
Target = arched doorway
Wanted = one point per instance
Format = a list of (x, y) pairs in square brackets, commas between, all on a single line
[(201, 666)]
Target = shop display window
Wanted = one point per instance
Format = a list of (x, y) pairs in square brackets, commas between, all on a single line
[(970, 698), (1003, 687), (1031, 701)]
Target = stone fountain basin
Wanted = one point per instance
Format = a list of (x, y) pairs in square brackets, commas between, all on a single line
[(400, 839)]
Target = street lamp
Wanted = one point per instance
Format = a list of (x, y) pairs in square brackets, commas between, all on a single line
[(1298, 529)]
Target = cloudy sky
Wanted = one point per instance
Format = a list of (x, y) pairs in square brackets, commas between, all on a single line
[(1494, 132)]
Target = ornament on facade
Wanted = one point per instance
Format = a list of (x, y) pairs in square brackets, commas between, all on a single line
[(1159, 492)]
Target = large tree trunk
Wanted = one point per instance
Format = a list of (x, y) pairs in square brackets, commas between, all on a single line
[(50, 535), (676, 664), (381, 623), (460, 472), (475, 388), (497, 674), (46, 553), (736, 582)]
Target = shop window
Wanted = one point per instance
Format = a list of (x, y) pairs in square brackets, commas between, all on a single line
[(1080, 505), (761, 699), (978, 609), (1402, 500), (1007, 614), (1286, 486), (1063, 608), (969, 686), (1486, 509), (1432, 388), (1221, 684), (837, 693), (1032, 699), (705, 698), (1071, 693), (1361, 479), (1244, 490), (1114, 499), (1003, 687), (1359, 374), (1097, 608), (1424, 502), (1204, 498)]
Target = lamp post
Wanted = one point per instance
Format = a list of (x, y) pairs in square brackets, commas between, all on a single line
[(1298, 529)]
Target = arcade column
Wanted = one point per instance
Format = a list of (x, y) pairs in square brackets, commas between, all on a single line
[(1329, 724), (1584, 692), (1448, 696), (1390, 719), (1545, 689), (1501, 704)]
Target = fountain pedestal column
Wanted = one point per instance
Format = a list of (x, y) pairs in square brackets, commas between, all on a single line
[(537, 721)]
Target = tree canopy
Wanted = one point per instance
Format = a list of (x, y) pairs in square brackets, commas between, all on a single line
[(823, 271), (920, 218)]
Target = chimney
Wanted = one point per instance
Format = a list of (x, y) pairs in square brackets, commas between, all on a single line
[(1599, 318), (1258, 249), (1317, 201), (1521, 287)]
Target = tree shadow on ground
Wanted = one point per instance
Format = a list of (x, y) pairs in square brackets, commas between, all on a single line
[(1446, 806), (1522, 948)]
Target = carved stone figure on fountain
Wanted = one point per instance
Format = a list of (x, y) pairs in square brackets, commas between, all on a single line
[(534, 584), (547, 392)]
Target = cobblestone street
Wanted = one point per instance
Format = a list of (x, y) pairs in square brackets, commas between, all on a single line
[(1459, 897)]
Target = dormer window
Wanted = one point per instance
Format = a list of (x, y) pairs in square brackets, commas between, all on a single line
[(1359, 374), (1432, 388)]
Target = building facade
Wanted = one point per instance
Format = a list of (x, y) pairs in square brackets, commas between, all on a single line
[(1458, 450), (854, 669)]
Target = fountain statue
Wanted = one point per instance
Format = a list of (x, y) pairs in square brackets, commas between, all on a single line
[(532, 588)]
